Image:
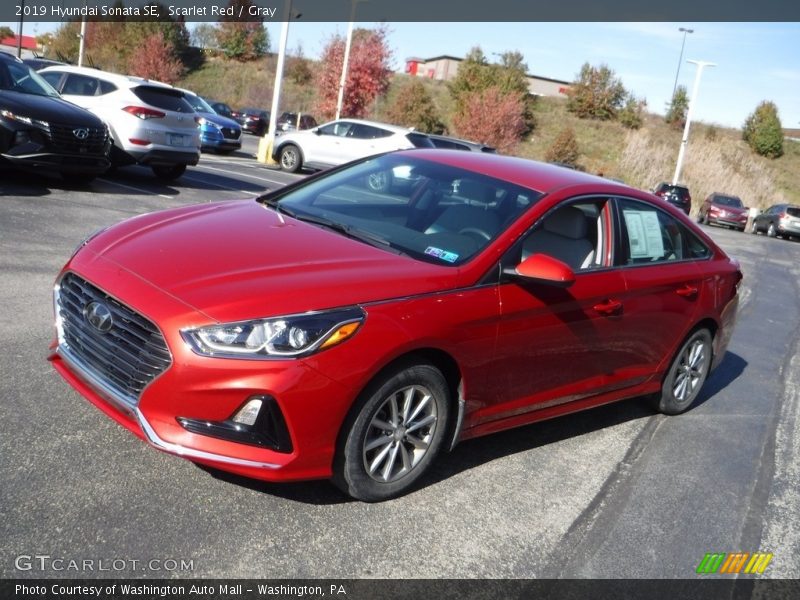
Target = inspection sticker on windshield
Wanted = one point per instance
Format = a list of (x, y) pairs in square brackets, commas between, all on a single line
[(442, 254)]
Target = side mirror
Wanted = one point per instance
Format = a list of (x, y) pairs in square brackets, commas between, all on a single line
[(543, 269), (316, 131)]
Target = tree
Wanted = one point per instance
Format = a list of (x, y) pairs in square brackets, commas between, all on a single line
[(763, 130), (414, 107), (204, 36), (564, 149), (632, 113), (159, 62), (242, 40), (596, 93), (6, 32), (65, 42), (367, 73), (491, 116), (677, 108)]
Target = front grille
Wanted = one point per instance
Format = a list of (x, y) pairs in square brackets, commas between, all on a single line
[(126, 357), (231, 134), (65, 140)]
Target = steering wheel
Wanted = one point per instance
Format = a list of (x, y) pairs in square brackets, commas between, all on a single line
[(474, 231)]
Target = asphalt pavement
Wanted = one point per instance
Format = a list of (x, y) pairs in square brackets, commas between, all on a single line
[(614, 492)]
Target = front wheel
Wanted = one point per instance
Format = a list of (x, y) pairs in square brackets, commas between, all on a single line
[(393, 434), (754, 228), (686, 374), (771, 231), (290, 158), (170, 172)]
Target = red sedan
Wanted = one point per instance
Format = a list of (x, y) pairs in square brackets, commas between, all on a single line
[(327, 330)]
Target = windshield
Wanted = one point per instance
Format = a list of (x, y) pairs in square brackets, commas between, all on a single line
[(728, 201), (430, 211), (19, 77), (198, 104)]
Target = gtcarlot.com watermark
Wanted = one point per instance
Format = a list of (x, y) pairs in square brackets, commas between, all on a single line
[(45, 563)]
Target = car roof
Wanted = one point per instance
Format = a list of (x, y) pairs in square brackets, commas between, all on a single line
[(121, 80), (9, 57), (387, 126), (539, 176)]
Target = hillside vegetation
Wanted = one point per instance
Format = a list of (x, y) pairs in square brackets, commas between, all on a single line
[(717, 159)]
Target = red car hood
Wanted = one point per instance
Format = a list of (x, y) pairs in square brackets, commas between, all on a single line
[(238, 260)]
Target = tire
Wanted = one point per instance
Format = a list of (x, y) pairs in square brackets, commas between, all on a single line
[(290, 158), (771, 231), (686, 375), (379, 457), (169, 173), (754, 228), (80, 179)]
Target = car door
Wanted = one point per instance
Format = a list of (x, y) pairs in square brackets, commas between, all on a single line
[(324, 145), (82, 90), (558, 344), (365, 140), (664, 287)]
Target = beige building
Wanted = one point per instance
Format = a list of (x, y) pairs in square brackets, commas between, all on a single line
[(444, 68)]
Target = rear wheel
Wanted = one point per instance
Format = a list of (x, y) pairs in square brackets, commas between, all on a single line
[(686, 374), (393, 434), (171, 172), (290, 158)]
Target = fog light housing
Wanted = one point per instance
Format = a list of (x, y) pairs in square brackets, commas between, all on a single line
[(258, 422)]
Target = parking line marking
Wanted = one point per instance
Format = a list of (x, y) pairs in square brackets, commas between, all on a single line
[(135, 189), (245, 174)]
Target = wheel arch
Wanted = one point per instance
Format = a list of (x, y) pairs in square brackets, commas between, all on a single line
[(276, 151)]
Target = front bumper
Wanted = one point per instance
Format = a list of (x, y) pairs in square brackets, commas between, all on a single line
[(62, 163), (737, 222)]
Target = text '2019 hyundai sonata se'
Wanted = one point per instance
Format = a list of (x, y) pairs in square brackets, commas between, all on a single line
[(327, 330)]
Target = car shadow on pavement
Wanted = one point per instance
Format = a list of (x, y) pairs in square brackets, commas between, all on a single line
[(142, 180), (475, 452), (22, 183)]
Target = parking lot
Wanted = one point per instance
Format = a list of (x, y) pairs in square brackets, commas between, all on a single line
[(614, 492)]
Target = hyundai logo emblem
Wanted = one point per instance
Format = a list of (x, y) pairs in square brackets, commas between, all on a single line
[(81, 133), (98, 316)]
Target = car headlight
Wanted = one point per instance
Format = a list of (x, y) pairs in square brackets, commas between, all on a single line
[(22, 119), (207, 123), (279, 337)]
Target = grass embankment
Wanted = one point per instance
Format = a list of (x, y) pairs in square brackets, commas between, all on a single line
[(717, 160)]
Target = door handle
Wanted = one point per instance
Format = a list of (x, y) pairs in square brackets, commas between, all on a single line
[(609, 307), (687, 291)]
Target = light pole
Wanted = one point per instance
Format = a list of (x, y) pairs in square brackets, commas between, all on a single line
[(346, 59), (19, 31), (680, 60), (692, 101)]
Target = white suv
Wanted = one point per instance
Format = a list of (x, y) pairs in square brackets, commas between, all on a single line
[(150, 123), (341, 141)]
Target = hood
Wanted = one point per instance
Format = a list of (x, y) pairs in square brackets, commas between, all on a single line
[(237, 260), (47, 108), (220, 120)]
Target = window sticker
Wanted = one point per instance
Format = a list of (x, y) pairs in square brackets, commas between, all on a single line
[(644, 234), (444, 255)]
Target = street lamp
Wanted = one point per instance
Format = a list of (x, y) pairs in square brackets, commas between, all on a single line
[(680, 60), (692, 101), (19, 31), (346, 59)]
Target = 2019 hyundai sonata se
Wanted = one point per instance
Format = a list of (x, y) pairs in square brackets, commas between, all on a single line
[(327, 330)]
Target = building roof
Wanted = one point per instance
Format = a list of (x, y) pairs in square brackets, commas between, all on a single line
[(457, 59), (28, 42)]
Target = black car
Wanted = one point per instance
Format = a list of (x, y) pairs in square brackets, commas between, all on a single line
[(451, 143), (254, 120), (677, 195), (39, 130), (779, 220), (289, 121), (222, 109)]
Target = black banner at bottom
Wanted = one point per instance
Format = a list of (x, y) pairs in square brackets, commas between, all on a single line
[(368, 589)]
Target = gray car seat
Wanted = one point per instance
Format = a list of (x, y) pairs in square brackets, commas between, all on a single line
[(563, 235)]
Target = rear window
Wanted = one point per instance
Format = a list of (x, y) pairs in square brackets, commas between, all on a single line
[(163, 98), (793, 211), (420, 140)]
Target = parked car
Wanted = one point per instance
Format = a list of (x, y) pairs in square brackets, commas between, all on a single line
[(723, 209), (37, 62), (217, 133), (325, 330), (150, 123), (41, 131), (254, 120), (290, 121), (222, 109), (341, 141), (779, 220), (677, 195), (451, 143)]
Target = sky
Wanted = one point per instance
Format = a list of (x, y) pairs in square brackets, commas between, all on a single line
[(754, 61)]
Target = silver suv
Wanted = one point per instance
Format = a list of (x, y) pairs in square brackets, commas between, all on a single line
[(150, 123)]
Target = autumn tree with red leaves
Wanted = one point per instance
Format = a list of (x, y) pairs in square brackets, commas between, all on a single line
[(491, 116), (367, 73), (158, 62)]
